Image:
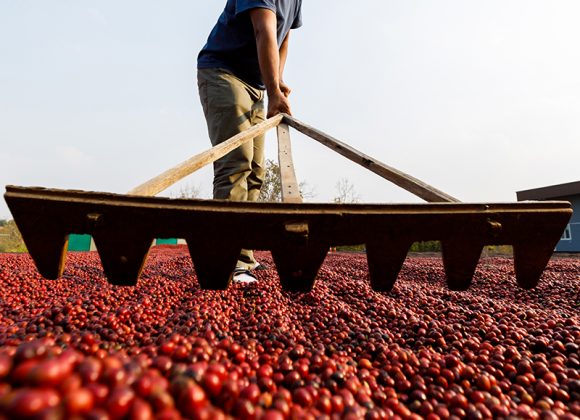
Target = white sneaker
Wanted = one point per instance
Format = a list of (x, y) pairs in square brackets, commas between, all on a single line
[(241, 275), (258, 266)]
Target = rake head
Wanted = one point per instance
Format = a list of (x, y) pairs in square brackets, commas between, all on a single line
[(298, 235)]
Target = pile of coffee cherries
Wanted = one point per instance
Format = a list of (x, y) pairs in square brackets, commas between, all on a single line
[(79, 347)]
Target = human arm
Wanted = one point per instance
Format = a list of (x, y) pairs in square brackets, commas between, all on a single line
[(283, 54), (271, 59)]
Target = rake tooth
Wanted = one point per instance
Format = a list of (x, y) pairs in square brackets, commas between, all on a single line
[(214, 263), (298, 265), (47, 247), (46, 241), (122, 255), (460, 259), (530, 260), (385, 259)]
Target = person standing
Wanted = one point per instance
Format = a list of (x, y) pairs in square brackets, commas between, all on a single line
[(241, 63)]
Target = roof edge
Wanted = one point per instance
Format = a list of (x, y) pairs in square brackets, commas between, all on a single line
[(552, 191)]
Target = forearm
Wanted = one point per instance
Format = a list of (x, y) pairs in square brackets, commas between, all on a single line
[(267, 46), (264, 22), (283, 55)]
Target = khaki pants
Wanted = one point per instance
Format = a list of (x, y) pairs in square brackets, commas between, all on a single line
[(231, 106)]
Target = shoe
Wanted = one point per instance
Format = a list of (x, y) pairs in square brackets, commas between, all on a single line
[(258, 266), (241, 275)]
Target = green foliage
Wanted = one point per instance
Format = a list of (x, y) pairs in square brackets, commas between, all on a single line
[(272, 187), (499, 250), (3, 222), (435, 246), (427, 246), (10, 238), (351, 248)]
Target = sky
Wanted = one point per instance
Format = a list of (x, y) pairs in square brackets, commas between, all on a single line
[(479, 99)]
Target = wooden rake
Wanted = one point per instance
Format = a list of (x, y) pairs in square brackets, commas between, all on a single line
[(298, 234)]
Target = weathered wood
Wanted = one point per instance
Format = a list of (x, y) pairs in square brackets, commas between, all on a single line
[(403, 180), (290, 187), (460, 259), (123, 247), (124, 225), (298, 265), (163, 181), (214, 260), (386, 256)]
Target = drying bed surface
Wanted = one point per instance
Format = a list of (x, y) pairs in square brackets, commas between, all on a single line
[(80, 346)]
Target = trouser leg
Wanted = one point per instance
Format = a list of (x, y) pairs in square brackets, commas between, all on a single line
[(231, 106), (258, 173)]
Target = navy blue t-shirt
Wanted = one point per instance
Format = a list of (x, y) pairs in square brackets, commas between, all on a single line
[(232, 45)]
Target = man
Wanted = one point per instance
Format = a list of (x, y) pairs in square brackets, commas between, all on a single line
[(244, 55)]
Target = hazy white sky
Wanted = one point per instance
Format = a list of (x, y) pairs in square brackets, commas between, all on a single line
[(477, 98)]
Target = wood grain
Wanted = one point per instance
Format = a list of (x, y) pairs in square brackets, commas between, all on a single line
[(403, 180), (163, 181), (290, 187)]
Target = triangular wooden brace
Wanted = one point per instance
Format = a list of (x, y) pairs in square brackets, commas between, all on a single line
[(530, 260), (213, 262), (298, 265), (46, 242), (123, 255), (460, 259), (385, 259)]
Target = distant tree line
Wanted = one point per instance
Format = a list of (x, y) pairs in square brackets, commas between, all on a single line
[(426, 246), (272, 187), (10, 238)]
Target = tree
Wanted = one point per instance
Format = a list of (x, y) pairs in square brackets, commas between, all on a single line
[(426, 246), (272, 187), (3, 222), (346, 192), (188, 191), (10, 238)]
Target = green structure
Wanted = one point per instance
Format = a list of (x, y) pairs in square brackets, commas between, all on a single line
[(79, 242), (166, 241), (85, 243)]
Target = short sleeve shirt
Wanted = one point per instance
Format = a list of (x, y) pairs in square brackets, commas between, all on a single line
[(231, 44)]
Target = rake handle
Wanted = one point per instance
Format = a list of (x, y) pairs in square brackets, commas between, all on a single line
[(163, 181), (166, 179), (403, 180), (290, 186)]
